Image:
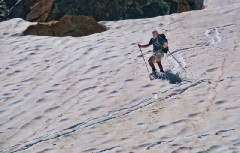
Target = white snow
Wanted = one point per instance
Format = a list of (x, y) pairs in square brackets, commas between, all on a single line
[(93, 94)]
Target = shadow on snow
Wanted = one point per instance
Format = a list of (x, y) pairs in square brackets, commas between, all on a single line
[(173, 78)]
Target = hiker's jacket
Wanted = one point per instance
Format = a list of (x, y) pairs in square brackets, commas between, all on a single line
[(157, 43)]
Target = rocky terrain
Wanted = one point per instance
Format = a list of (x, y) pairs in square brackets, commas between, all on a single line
[(4, 10), (75, 26), (53, 16), (49, 10)]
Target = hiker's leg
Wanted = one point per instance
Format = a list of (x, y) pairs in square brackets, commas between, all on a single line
[(160, 65), (151, 62), (160, 58)]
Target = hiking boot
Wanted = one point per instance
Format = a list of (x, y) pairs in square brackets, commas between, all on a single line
[(154, 72), (162, 71)]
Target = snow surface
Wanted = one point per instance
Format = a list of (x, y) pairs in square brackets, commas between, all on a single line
[(93, 94)]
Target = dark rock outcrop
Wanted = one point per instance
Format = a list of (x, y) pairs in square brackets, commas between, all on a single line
[(10, 3), (75, 26), (31, 10), (48, 10), (4, 10), (198, 4)]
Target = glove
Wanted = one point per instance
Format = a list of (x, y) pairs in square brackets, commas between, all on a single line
[(139, 45)]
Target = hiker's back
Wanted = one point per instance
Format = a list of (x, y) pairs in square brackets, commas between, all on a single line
[(164, 37), (165, 50)]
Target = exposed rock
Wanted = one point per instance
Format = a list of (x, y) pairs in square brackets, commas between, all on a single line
[(40, 11), (31, 10), (75, 26), (3, 10), (182, 6), (198, 5), (10, 3), (48, 10), (20, 8), (93, 95)]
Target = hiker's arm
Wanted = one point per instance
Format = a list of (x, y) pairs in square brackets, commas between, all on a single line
[(147, 45), (143, 46)]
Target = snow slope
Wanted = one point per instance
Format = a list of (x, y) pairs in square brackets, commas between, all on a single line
[(93, 94)]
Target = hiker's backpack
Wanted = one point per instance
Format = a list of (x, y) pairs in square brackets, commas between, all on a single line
[(165, 50)]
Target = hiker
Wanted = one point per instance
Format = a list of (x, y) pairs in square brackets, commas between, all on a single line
[(160, 46)]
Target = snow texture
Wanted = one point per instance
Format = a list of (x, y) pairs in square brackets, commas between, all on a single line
[(93, 94)]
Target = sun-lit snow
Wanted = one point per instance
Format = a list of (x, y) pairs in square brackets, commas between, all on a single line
[(93, 94)]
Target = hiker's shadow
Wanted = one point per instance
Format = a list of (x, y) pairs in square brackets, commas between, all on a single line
[(173, 78)]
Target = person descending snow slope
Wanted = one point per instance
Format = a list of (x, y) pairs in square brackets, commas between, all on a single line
[(160, 46)]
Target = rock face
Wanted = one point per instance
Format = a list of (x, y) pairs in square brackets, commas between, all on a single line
[(10, 3), (75, 26), (198, 4), (3, 10), (93, 94), (48, 10)]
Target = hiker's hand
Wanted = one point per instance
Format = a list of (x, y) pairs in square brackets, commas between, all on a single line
[(165, 45), (140, 46)]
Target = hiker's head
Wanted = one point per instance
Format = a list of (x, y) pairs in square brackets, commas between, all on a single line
[(155, 34)]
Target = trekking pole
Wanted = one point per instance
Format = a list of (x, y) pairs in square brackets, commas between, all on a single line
[(144, 61), (178, 62)]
